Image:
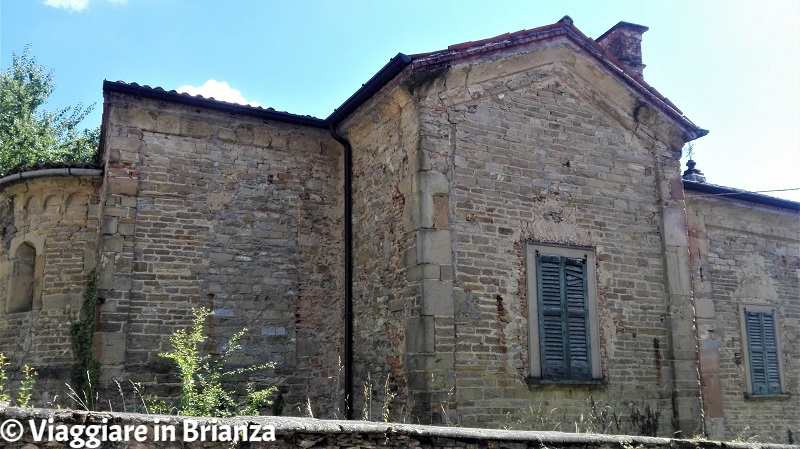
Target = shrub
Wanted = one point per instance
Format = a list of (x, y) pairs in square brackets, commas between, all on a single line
[(202, 376)]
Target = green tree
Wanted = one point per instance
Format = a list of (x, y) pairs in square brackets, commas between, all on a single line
[(30, 134)]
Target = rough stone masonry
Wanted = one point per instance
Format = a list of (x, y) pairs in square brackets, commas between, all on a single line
[(458, 166)]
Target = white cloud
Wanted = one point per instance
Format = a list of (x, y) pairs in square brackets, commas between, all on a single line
[(76, 5), (219, 91), (71, 5)]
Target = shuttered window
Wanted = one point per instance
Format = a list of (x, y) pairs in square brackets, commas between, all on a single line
[(762, 350), (563, 309), (563, 329)]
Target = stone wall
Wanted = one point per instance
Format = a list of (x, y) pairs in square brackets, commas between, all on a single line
[(383, 134), (54, 218), (457, 168), (229, 213), (305, 433), (744, 254), (532, 153)]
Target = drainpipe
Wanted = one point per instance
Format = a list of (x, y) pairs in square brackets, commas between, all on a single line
[(348, 271), (370, 88)]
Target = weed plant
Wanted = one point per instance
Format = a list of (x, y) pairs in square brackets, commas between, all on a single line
[(203, 376), (26, 385)]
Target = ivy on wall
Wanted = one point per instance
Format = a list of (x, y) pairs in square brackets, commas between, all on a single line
[(85, 369)]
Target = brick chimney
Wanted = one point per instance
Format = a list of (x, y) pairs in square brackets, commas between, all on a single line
[(624, 42)]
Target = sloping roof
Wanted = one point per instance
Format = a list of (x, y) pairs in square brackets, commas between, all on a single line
[(721, 192), (564, 28), (368, 89), (158, 93)]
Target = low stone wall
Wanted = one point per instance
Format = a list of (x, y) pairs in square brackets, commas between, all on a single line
[(42, 428)]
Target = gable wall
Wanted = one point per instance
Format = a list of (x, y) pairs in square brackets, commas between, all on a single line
[(535, 158), (745, 254)]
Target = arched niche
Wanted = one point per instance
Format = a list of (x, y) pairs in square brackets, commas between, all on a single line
[(23, 279), (52, 205)]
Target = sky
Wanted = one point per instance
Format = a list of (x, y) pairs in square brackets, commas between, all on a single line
[(731, 66)]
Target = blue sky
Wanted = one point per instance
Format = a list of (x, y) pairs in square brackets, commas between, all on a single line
[(733, 67)]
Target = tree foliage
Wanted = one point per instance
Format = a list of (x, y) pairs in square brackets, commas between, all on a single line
[(31, 135)]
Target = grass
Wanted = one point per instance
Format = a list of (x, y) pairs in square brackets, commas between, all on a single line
[(205, 381), (635, 419), (205, 392)]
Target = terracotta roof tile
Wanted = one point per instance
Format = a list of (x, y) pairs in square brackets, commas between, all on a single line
[(211, 103), (186, 94), (564, 28)]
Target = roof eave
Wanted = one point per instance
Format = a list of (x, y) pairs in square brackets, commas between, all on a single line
[(727, 192), (565, 28), (207, 103), (370, 88), (395, 65), (636, 82)]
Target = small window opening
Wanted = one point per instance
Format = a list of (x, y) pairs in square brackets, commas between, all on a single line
[(22, 279)]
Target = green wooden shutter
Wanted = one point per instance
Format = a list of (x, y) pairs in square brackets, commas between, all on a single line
[(563, 317), (578, 318), (763, 351), (551, 323)]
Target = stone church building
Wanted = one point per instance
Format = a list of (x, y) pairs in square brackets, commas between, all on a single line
[(476, 234)]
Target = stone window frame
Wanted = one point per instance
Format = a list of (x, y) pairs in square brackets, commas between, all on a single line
[(24, 257), (746, 355), (7, 267), (534, 347)]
